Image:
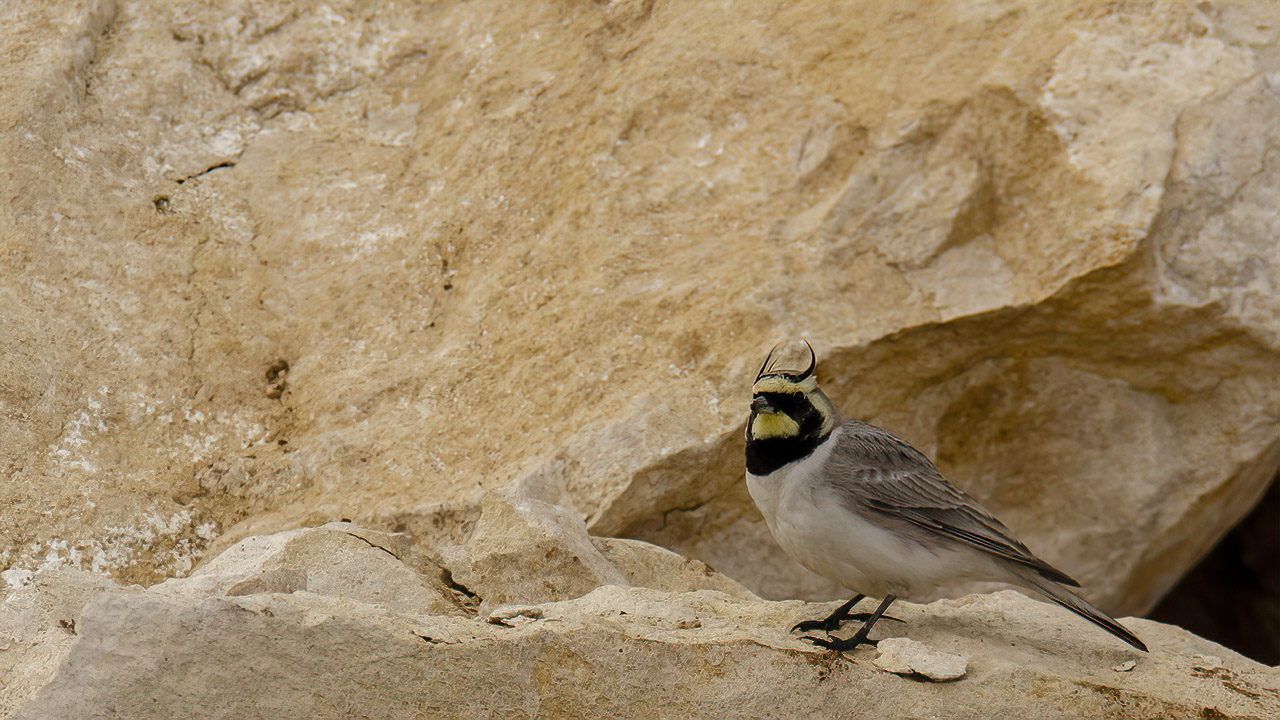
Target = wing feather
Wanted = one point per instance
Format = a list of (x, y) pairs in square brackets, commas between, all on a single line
[(883, 473)]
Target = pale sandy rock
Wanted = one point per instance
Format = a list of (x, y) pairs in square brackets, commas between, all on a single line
[(903, 656), (337, 559), (107, 419), (647, 565), (525, 550), (616, 652), (39, 614), (198, 647), (268, 266)]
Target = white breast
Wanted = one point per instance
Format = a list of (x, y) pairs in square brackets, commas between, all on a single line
[(811, 524)]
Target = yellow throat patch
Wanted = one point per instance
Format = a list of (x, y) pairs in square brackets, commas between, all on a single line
[(773, 425), (781, 425)]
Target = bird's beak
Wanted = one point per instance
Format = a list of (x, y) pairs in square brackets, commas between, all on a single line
[(761, 405)]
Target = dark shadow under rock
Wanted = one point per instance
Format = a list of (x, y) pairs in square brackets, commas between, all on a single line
[(1233, 595)]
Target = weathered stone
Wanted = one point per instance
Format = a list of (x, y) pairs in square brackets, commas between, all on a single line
[(267, 267), (528, 551), (903, 656), (286, 626), (38, 623), (337, 559), (646, 565), (616, 652)]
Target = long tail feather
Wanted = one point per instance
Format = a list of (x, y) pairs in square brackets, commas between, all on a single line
[(1076, 604)]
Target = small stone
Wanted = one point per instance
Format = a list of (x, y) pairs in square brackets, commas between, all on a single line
[(902, 656), (512, 615), (17, 577), (1125, 666), (1206, 662)]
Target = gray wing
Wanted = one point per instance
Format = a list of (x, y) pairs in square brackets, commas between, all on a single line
[(883, 473)]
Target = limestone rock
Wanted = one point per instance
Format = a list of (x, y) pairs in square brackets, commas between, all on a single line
[(651, 566), (267, 267), (39, 617), (903, 656), (528, 551), (615, 652), (337, 559)]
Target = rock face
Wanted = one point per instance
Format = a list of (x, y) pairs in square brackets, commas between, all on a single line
[(244, 637), (38, 613), (528, 551), (267, 266)]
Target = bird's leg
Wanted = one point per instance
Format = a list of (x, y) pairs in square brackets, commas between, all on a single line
[(860, 637), (832, 621)]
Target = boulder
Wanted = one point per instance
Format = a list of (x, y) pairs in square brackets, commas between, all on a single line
[(272, 266), (528, 551), (38, 614), (338, 559), (651, 566), (188, 648)]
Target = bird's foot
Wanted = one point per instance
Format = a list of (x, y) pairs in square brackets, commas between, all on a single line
[(859, 638), (826, 625), (831, 624)]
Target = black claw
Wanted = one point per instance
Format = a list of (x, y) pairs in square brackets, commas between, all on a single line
[(827, 625), (830, 625), (860, 637), (867, 616), (841, 645), (832, 622)]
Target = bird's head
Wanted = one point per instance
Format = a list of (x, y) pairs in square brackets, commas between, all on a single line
[(788, 404)]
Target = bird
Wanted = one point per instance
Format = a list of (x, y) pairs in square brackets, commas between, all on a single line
[(866, 510)]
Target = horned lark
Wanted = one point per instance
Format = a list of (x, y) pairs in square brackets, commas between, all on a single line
[(864, 509)]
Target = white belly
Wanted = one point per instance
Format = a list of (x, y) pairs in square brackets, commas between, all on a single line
[(808, 520)]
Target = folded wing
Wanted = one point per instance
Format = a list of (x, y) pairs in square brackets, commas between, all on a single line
[(884, 474)]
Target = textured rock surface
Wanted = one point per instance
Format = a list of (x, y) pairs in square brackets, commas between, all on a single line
[(903, 656), (273, 265), (187, 648), (497, 564), (336, 559), (527, 551), (38, 613), (655, 567)]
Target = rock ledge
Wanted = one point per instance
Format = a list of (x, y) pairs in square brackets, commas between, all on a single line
[(338, 621)]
